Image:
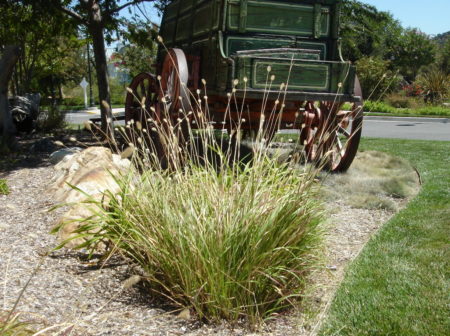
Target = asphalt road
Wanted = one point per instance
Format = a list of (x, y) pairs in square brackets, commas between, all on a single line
[(375, 127), (407, 128), (80, 117)]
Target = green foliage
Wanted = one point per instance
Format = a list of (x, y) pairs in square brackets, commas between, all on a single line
[(436, 84), (13, 326), (44, 35), (426, 110), (375, 77), (74, 94), (63, 64), (443, 59), (377, 106), (118, 91), (50, 120), (139, 52), (442, 38), (366, 31), (398, 285), (134, 59), (4, 190), (400, 100), (411, 51)]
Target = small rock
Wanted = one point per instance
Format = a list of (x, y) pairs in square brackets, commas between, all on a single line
[(185, 314), (63, 154), (43, 145)]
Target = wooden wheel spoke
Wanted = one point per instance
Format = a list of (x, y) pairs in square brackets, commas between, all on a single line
[(151, 90), (344, 132), (340, 147), (136, 96), (143, 91)]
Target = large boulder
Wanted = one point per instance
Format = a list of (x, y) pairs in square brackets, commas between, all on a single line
[(63, 154), (84, 176)]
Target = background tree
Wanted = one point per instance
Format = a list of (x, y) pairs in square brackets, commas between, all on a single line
[(100, 17), (36, 28), (443, 58), (8, 59), (365, 31), (411, 51), (375, 77), (379, 45), (31, 28), (138, 54)]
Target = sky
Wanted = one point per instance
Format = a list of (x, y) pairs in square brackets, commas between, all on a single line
[(431, 17)]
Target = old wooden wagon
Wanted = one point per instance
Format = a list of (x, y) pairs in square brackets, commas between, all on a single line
[(280, 59)]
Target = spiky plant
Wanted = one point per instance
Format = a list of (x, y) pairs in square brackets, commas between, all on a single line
[(436, 84)]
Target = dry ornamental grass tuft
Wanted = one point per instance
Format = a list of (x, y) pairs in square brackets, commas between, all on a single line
[(217, 227)]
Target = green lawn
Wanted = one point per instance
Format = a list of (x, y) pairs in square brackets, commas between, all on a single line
[(399, 285)]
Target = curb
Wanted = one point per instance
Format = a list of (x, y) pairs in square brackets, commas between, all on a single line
[(409, 119), (115, 111)]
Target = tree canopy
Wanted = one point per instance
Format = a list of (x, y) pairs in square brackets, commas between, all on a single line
[(44, 36)]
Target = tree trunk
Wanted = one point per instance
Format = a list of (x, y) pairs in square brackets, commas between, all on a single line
[(7, 63), (95, 27)]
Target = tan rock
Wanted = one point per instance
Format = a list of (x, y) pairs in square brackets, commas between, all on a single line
[(86, 175)]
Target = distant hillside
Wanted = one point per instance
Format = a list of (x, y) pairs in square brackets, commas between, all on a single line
[(440, 38)]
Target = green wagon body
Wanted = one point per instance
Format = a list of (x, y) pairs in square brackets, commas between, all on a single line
[(233, 39)]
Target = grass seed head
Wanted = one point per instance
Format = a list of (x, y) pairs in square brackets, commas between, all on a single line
[(131, 281)]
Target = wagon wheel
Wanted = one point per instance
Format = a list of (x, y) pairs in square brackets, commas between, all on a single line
[(174, 94), (174, 79), (331, 135), (143, 112)]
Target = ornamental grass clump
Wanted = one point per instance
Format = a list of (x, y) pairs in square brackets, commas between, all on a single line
[(228, 245), (4, 190), (224, 236)]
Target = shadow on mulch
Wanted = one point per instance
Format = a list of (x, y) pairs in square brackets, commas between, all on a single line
[(33, 150)]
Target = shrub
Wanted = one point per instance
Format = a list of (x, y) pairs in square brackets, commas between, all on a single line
[(413, 90), (400, 100), (375, 77), (377, 106), (51, 120), (436, 84)]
